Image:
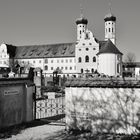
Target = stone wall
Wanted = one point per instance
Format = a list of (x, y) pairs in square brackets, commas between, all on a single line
[(101, 108)]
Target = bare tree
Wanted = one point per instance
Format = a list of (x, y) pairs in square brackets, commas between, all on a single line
[(130, 58)]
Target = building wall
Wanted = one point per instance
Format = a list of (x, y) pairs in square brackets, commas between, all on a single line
[(81, 28), (4, 56), (110, 64), (87, 46), (110, 31), (33, 62), (65, 64)]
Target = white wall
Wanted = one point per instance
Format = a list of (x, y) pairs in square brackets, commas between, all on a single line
[(81, 51), (108, 64), (110, 31)]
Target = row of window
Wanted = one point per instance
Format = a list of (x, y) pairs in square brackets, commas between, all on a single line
[(34, 61), (87, 49), (62, 68), (85, 44), (2, 62), (2, 56), (52, 61), (87, 71), (86, 59), (60, 61), (109, 30), (109, 23)]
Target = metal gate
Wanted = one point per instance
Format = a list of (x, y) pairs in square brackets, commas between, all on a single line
[(50, 108)]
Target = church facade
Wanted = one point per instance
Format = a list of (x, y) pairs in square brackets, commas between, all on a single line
[(86, 55)]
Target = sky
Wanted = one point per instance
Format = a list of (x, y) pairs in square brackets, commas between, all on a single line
[(37, 22)]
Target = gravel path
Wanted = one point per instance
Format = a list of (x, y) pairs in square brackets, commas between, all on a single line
[(39, 133)]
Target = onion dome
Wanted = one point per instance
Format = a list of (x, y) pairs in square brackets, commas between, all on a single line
[(81, 21), (110, 17)]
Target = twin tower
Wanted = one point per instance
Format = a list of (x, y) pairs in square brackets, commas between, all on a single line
[(110, 27)]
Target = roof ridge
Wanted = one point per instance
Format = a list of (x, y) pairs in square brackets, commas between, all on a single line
[(46, 44)]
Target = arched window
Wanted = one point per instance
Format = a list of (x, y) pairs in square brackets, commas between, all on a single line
[(94, 59), (109, 29), (82, 70), (79, 59), (46, 67), (112, 30), (118, 68), (86, 58)]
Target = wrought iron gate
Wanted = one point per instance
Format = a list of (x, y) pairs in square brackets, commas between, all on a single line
[(51, 109)]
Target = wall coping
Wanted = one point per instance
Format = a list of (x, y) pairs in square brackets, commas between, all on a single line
[(7, 81), (103, 82)]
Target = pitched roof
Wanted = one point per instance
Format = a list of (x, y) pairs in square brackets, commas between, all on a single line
[(102, 43), (109, 47), (47, 51)]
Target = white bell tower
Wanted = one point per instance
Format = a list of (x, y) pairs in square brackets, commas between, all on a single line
[(81, 25), (110, 26)]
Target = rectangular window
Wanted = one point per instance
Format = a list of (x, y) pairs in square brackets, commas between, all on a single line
[(66, 68), (34, 61), (118, 68), (70, 68), (66, 60), (51, 61), (51, 68), (70, 60), (46, 60), (39, 61), (62, 60), (57, 61)]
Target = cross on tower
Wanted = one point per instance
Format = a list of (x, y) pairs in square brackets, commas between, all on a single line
[(81, 8), (109, 3)]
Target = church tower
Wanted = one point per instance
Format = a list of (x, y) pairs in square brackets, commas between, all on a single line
[(110, 27), (81, 25)]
